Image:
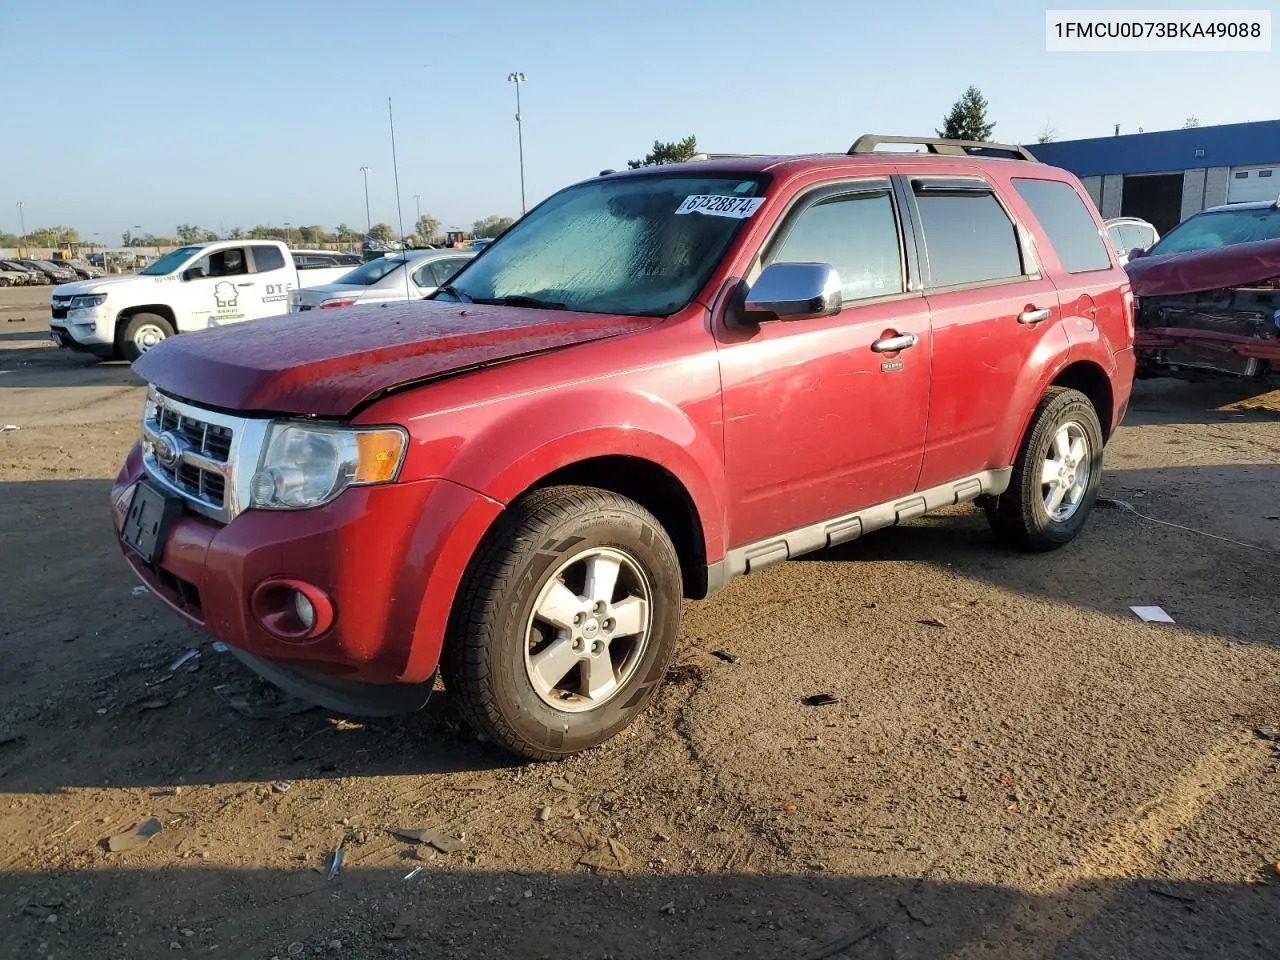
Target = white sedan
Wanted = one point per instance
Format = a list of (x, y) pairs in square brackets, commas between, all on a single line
[(409, 275)]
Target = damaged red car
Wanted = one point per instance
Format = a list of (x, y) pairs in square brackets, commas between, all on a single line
[(1208, 295)]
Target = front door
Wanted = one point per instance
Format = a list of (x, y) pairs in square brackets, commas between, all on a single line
[(819, 421)]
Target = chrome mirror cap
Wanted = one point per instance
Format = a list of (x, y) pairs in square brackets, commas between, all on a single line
[(793, 291)]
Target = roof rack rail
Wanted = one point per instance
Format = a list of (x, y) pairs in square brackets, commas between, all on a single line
[(726, 156), (939, 145)]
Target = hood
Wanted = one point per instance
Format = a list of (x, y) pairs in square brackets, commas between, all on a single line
[(327, 363), (81, 287), (1237, 265)]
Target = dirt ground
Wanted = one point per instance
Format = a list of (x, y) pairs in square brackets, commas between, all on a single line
[(1016, 767)]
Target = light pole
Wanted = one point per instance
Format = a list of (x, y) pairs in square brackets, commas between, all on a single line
[(288, 236), (368, 220), (517, 79), (22, 221)]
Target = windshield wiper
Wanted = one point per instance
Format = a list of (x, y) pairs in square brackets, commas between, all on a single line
[(453, 291), (520, 300)]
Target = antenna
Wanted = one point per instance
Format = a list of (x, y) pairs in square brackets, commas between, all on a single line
[(395, 169)]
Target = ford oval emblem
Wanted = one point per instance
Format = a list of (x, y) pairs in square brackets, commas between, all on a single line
[(168, 449)]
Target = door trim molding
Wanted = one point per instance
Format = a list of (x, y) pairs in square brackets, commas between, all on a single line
[(760, 554)]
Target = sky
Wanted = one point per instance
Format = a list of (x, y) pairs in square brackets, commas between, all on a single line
[(237, 113)]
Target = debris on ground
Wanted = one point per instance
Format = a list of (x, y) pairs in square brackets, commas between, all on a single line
[(1152, 614), (668, 908), (335, 863), (542, 814), (433, 838), (152, 703), (413, 873), (563, 783), (189, 657), (1266, 733), (612, 855), (1168, 895), (139, 591), (262, 701), (932, 622), (9, 426), (280, 786), (9, 735), (219, 647), (821, 700), (135, 838), (581, 836), (726, 656)]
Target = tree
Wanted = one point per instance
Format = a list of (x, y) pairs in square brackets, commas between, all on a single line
[(381, 231), (968, 118), (427, 227), (189, 233), (1192, 123), (313, 233), (490, 226), (1047, 135), (345, 234), (209, 236), (127, 239), (235, 234), (675, 152), (52, 236)]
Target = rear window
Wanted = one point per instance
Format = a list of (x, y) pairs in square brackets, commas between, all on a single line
[(267, 258), (371, 272), (967, 235), (1067, 223)]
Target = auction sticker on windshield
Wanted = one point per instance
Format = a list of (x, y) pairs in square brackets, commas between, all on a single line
[(739, 208)]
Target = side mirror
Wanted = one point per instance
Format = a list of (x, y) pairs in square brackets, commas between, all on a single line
[(1137, 252), (192, 273), (793, 291)]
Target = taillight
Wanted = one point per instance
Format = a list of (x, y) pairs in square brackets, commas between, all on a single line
[(336, 303), (1130, 307)]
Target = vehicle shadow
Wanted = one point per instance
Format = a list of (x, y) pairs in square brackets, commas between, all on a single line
[(47, 368), (36, 336), (1166, 400), (447, 910)]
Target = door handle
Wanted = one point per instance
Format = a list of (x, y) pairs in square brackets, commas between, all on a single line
[(1033, 316), (894, 344), (250, 284)]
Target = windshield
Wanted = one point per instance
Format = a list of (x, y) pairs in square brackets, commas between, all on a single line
[(1222, 228), (370, 273), (170, 262), (632, 245)]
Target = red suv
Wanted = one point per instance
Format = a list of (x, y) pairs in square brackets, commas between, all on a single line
[(653, 382)]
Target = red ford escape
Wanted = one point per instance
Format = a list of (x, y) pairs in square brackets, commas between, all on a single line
[(653, 382)]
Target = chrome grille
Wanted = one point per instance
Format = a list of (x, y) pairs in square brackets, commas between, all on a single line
[(193, 453)]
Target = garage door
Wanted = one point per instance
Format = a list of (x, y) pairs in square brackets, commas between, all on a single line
[(1253, 183)]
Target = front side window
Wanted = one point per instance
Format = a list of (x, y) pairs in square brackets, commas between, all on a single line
[(640, 245), (1066, 222), (856, 234), (222, 263), (968, 237), (1221, 228)]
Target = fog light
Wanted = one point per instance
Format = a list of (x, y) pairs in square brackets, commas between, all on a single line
[(305, 611)]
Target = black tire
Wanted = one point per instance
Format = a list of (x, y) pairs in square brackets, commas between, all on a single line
[(1019, 516), (129, 335), (484, 659)]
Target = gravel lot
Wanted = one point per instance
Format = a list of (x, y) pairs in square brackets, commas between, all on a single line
[(1016, 767)]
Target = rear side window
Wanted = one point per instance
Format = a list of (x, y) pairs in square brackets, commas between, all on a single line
[(967, 235), (267, 258), (856, 234), (1067, 223)]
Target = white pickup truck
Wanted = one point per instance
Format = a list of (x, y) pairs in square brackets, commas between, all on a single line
[(191, 288)]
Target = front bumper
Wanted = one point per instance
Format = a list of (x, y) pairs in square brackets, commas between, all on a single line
[(389, 558), (89, 330)]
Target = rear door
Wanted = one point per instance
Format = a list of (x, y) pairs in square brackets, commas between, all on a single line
[(991, 309), (266, 293), (817, 421)]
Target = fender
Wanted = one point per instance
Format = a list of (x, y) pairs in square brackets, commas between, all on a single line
[(568, 426)]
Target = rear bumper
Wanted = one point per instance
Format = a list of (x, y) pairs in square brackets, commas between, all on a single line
[(389, 558), (1152, 340)]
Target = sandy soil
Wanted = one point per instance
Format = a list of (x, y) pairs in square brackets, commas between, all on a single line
[(1042, 775)]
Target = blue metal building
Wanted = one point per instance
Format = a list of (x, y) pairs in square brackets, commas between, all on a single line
[(1167, 176)]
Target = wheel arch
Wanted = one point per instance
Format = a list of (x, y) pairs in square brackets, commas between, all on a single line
[(1091, 380), (159, 309)]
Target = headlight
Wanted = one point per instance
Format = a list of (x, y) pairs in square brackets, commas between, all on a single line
[(306, 466), (88, 300)]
